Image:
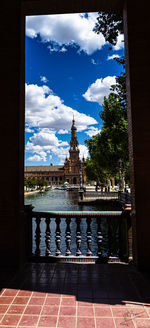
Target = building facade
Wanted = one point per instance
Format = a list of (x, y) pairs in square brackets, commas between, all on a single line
[(72, 170)]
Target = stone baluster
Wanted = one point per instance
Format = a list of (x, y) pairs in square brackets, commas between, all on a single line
[(117, 236), (78, 237), (48, 237), (109, 237), (68, 237), (58, 237), (37, 236), (99, 237), (89, 237), (123, 231)]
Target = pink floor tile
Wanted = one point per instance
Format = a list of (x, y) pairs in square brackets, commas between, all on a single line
[(147, 310), (53, 295), (67, 322), (11, 320), (1, 316), (68, 310), (50, 310), (105, 323), (85, 311), (142, 323), (85, 323), (2, 326), (68, 296), (6, 299), (68, 301), (33, 309), (103, 312), (121, 312), (100, 304), (36, 301), (28, 321), (80, 303), (124, 322), (10, 292), (47, 321), (52, 301), (3, 308), (38, 294), (21, 300), (24, 293), (16, 309), (139, 312)]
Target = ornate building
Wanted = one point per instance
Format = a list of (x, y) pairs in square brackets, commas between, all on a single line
[(70, 171)]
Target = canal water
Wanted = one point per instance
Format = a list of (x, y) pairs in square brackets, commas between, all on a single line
[(63, 200)]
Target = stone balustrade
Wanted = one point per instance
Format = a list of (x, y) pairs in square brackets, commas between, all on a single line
[(70, 235)]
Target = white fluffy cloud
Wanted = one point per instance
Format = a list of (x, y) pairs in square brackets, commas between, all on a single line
[(46, 142), (46, 138), (99, 89), (36, 158), (61, 153), (62, 131), (113, 57), (46, 110), (64, 30), (47, 113), (120, 42), (83, 151), (29, 130), (43, 79), (92, 131)]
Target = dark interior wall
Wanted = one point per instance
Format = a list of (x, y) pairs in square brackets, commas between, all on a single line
[(11, 205), (138, 91)]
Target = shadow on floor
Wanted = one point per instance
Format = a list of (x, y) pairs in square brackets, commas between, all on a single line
[(99, 283)]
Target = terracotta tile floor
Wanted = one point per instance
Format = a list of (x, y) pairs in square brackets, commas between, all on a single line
[(75, 296)]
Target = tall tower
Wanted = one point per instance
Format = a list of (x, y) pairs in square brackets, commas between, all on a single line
[(72, 165), (74, 150)]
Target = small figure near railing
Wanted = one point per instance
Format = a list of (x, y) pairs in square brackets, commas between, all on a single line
[(110, 227)]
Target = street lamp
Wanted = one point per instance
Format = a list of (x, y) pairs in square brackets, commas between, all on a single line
[(81, 191), (120, 175), (81, 180)]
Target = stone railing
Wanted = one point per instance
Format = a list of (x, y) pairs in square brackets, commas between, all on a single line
[(101, 195), (123, 197), (67, 236)]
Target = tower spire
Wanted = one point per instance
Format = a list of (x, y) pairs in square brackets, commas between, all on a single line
[(74, 150), (73, 121)]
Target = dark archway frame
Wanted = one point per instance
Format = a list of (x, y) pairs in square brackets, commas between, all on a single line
[(136, 30)]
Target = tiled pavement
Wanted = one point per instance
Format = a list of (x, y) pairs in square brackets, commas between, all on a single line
[(76, 296)]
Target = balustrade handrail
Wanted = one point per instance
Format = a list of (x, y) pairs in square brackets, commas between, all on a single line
[(100, 194), (74, 214)]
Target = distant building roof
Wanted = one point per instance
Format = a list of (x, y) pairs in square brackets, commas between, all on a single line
[(50, 168)]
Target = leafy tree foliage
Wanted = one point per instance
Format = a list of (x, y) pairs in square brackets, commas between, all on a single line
[(110, 24), (32, 183), (111, 144)]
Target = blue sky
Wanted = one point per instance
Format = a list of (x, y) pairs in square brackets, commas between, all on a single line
[(68, 71)]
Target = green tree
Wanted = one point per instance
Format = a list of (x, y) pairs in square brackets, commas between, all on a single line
[(110, 24), (112, 143)]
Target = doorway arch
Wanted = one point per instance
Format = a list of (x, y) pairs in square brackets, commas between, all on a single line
[(74, 180)]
